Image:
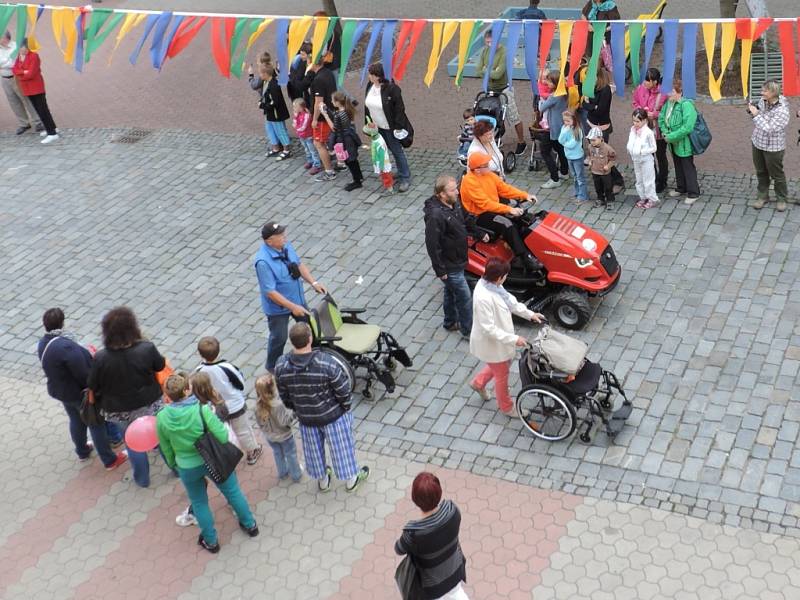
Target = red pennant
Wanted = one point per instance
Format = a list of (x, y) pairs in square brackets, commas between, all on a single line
[(546, 35), (402, 36), (402, 58), (185, 34), (580, 33), (744, 27), (221, 46), (786, 36)]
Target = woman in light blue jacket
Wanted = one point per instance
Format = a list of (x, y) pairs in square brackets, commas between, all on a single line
[(571, 137)]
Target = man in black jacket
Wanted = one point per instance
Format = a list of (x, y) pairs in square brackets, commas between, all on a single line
[(446, 230), (66, 365)]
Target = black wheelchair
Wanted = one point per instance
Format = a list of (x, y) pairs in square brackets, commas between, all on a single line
[(355, 344), (550, 401)]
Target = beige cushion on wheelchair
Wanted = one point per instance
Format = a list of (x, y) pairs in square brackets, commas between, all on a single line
[(357, 338)]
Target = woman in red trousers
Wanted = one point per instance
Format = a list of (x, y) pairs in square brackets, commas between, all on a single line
[(28, 71)]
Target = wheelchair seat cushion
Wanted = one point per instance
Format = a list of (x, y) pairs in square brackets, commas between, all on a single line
[(357, 338), (586, 379)]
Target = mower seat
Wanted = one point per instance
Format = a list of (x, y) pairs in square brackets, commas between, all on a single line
[(353, 338), (481, 231)]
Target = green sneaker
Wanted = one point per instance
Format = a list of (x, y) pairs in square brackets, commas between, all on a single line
[(326, 486), (363, 474)]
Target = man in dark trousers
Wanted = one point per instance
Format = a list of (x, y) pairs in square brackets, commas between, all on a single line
[(446, 229), (66, 365)]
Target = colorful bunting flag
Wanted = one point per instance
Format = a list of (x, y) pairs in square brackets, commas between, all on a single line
[(318, 38), (635, 34), (387, 42), (351, 33), (532, 53), (373, 41), (546, 41), (98, 32), (618, 55), (131, 20), (158, 47), (589, 83), (149, 25), (580, 33), (442, 35), (257, 33), (404, 55), (749, 30), (34, 12), (81, 31), (670, 52), (466, 35), (564, 34), (791, 77), (22, 25), (245, 27), (298, 30), (512, 42), (728, 43), (688, 75), (63, 22), (652, 30), (6, 12), (497, 33), (221, 33)]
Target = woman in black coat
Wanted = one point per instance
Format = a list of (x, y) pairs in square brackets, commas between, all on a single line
[(384, 107), (598, 109)]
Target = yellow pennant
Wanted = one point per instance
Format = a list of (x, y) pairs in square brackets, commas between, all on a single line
[(261, 27), (464, 36), (747, 48), (131, 20), (33, 44), (442, 35), (564, 33), (298, 29), (320, 29), (728, 44), (63, 21)]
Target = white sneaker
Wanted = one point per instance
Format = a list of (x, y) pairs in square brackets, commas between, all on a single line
[(550, 184), (674, 193), (50, 138), (43, 134), (185, 519), (564, 177)]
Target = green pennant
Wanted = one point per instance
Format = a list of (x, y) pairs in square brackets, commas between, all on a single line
[(348, 30), (6, 13), (245, 27), (22, 26), (635, 33), (473, 34), (95, 34), (328, 34), (591, 73)]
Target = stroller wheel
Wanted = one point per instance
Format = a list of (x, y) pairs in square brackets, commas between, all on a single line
[(509, 162)]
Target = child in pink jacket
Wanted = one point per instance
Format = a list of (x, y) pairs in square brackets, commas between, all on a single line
[(302, 125)]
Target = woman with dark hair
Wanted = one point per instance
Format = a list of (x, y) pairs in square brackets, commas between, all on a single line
[(384, 107), (483, 141), (432, 541), (552, 108), (28, 71), (493, 339), (598, 109), (123, 379), (648, 95)]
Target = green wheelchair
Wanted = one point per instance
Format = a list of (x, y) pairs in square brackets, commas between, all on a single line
[(356, 344)]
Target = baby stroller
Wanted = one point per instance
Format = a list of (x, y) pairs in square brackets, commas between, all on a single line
[(491, 107), (558, 383), (536, 158)]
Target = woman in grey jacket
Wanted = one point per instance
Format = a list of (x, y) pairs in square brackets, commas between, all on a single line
[(552, 108), (276, 423)]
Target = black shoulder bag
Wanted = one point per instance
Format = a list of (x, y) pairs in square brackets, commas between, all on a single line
[(221, 459)]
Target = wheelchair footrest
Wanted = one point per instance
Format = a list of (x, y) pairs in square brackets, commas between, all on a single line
[(401, 356), (618, 418)]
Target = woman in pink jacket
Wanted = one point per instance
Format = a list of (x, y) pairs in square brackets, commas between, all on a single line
[(648, 96)]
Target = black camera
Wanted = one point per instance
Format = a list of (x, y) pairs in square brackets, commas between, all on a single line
[(294, 269)]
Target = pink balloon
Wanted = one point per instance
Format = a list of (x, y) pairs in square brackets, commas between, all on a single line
[(141, 435)]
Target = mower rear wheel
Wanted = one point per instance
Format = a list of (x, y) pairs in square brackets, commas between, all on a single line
[(571, 308)]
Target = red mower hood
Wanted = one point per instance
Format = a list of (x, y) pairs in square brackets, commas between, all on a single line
[(573, 238)]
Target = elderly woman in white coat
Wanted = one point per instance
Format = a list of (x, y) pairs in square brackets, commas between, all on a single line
[(493, 339), (483, 141)]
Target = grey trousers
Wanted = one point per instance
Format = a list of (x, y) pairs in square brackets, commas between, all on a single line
[(22, 107)]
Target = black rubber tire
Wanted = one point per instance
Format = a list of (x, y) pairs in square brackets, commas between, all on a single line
[(571, 308), (390, 364), (546, 402), (510, 162), (340, 358)]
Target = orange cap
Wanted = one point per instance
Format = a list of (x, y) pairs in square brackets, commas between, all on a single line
[(478, 160)]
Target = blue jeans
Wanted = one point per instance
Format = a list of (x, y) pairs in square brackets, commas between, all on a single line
[(457, 302), (285, 454), (277, 133), (278, 334), (312, 155), (100, 439), (403, 172), (139, 461), (578, 171), (194, 480)]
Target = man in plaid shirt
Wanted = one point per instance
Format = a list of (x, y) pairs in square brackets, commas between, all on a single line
[(315, 386), (770, 119)]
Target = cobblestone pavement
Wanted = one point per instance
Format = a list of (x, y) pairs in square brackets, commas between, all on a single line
[(702, 330), (71, 530), (188, 93)]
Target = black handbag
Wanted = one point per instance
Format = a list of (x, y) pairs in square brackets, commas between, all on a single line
[(89, 411), (221, 459), (408, 579)]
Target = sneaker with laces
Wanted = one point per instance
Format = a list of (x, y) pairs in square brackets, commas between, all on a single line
[(563, 177), (325, 484), (690, 200), (363, 474), (326, 176), (206, 546), (251, 531), (186, 519), (120, 460), (481, 391), (550, 184), (253, 457), (50, 139)]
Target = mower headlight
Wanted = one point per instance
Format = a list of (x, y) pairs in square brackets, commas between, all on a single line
[(583, 262)]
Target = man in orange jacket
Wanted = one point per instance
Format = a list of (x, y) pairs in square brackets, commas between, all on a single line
[(481, 190)]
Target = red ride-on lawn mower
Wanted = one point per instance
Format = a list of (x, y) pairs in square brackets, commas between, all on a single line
[(579, 263)]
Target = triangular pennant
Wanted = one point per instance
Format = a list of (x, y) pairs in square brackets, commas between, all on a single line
[(149, 24), (158, 47), (564, 34), (375, 33), (351, 33), (80, 30), (298, 31), (247, 29), (442, 35), (187, 31), (580, 33), (6, 12), (466, 36), (546, 41), (670, 46), (589, 83), (650, 37), (257, 33), (688, 75), (131, 20), (635, 33), (33, 17), (749, 30), (532, 52), (387, 43), (791, 77), (512, 43), (22, 26), (728, 42), (318, 38), (221, 34), (408, 52), (497, 33), (618, 55)]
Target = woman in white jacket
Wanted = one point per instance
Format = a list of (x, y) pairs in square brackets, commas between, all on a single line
[(642, 148), (493, 339)]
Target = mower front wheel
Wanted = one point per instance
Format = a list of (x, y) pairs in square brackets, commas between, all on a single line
[(571, 308)]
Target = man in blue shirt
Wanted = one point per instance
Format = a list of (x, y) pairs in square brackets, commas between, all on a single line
[(532, 12), (279, 271)]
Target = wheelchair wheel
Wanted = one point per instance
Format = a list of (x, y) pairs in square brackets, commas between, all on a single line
[(340, 358), (546, 412)]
